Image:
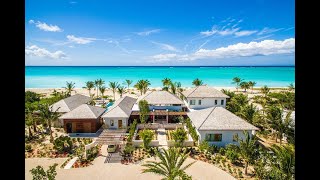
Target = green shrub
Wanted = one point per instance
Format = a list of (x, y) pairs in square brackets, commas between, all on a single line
[(192, 130), (179, 135), (28, 148), (213, 149), (63, 144), (132, 130), (232, 153), (204, 146), (38, 173), (146, 135), (222, 151)]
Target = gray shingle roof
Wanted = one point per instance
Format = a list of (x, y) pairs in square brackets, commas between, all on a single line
[(84, 111), (121, 108), (70, 103), (218, 118), (160, 97), (203, 91)]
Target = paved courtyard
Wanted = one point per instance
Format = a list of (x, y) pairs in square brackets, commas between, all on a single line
[(102, 170)]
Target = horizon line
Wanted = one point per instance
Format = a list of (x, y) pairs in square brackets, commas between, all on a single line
[(172, 66)]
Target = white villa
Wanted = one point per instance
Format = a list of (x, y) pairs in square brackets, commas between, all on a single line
[(219, 126), (204, 105), (203, 96)]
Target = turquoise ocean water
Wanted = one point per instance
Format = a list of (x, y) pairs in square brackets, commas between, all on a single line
[(56, 77)]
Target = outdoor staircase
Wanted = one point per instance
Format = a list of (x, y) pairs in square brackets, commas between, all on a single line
[(108, 136)]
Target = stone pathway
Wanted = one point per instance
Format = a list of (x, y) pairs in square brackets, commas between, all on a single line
[(162, 138), (70, 163)]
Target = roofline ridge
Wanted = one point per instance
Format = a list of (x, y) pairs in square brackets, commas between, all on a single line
[(206, 117), (147, 95), (89, 110), (193, 90)]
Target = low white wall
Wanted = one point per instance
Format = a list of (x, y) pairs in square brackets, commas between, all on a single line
[(227, 137), (138, 143), (153, 126)]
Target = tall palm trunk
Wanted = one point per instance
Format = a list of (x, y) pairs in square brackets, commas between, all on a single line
[(34, 126), (114, 95), (50, 131), (246, 168), (30, 133)]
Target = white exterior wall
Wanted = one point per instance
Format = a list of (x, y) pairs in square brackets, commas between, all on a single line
[(205, 103), (115, 120), (227, 136)]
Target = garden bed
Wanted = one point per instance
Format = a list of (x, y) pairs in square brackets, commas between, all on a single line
[(91, 155), (155, 137), (168, 134)]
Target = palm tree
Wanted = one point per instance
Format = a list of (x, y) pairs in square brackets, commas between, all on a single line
[(247, 149), (89, 86), (244, 85), (145, 83), (170, 165), (166, 83), (102, 89), (236, 80), (251, 84), (291, 87), (247, 112), (197, 82), (69, 87), (100, 83), (47, 114), (114, 86), (284, 161), (144, 111), (173, 87), (121, 90), (179, 89), (265, 90), (29, 122), (128, 82), (139, 86), (96, 84)]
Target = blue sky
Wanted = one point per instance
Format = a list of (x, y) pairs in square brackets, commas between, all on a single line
[(153, 33)]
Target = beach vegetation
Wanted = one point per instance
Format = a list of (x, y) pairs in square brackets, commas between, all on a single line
[(142, 85), (48, 115), (38, 173), (166, 82), (247, 147), (251, 84), (265, 90), (146, 136), (291, 87), (89, 86), (102, 89), (192, 130), (179, 136), (63, 144), (236, 80), (113, 86), (170, 165), (69, 87), (31, 97), (197, 82), (128, 82), (244, 85), (121, 90)]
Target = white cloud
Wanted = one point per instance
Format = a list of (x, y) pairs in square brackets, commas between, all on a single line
[(263, 37), (41, 52), (147, 33), (45, 27), (244, 33), (267, 30), (80, 40), (263, 48), (167, 47), (73, 2)]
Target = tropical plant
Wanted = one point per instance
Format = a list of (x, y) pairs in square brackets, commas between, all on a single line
[(128, 82), (100, 83), (63, 144), (173, 87), (204, 146), (265, 90), (121, 90), (179, 136), (283, 162), (232, 153), (247, 112), (102, 89), (166, 82), (192, 130), (142, 86), (236, 80), (179, 89), (285, 99), (228, 93), (96, 85), (244, 85), (170, 165), (38, 173), (251, 84), (113, 86), (49, 115), (197, 82), (291, 87), (89, 86), (144, 111), (131, 130), (247, 148), (236, 102), (146, 136), (29, 122), (69, 87), (31, 97)]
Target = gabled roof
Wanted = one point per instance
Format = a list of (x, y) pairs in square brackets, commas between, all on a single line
[(160, 97), (70, 103), (121, 108), (84, 111), (203, 91), (218, 118)]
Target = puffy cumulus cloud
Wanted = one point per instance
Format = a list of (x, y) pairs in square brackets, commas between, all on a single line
[(80, 40), (263, 48), (45, 27), (147, 33), (41, 52)]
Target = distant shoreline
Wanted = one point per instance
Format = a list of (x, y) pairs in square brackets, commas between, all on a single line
[(171, 66)]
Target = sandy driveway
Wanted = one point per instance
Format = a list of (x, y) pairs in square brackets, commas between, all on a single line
[(101, 170)]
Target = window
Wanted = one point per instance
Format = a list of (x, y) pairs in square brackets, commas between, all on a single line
[(235, 137), (111, 123), (213, 137), (215, 102), (199, 102), (192, 102), (222, 102)]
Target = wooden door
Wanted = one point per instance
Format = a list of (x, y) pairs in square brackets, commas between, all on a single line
[(119, 124), (87, 127)]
